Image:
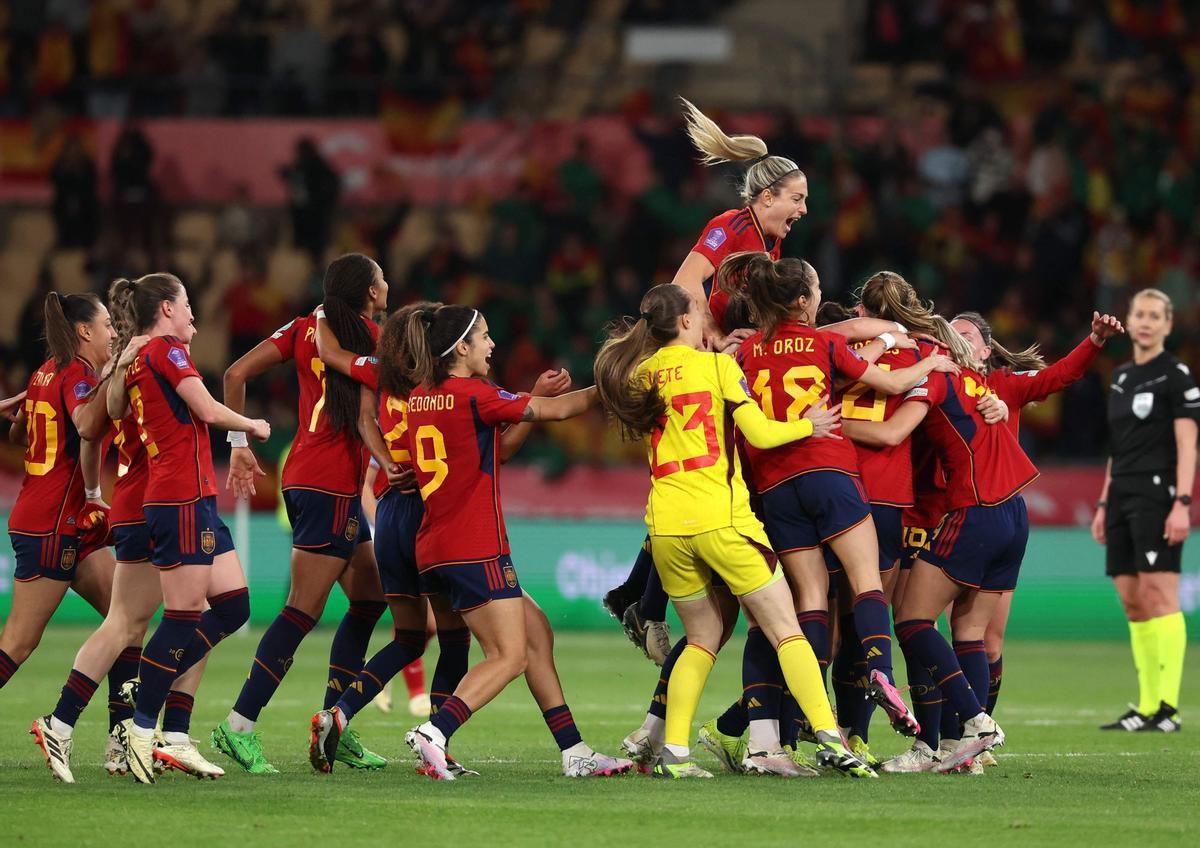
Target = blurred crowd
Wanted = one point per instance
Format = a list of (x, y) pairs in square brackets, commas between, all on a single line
[(1059, 176)]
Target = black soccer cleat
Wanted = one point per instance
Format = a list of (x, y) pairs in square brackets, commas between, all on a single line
[(1166, 720), (617, 600), (1131, 722)]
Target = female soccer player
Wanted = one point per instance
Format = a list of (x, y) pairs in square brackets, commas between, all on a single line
[(322, 482), (1143, 515), (454, 438), (654, 379), (192, 547), (57, 525)]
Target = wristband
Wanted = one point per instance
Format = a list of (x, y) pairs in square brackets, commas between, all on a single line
[(1101, 504), (237, 439), (91, 494), (900, 328), (320, 313), (889, 341)]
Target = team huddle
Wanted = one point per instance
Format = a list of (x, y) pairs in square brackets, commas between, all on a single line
[(832, 474)]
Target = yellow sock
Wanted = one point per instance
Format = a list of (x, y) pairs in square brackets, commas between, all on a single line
[(1172, 643), (1143, 636), (803, 678), (683, 693)]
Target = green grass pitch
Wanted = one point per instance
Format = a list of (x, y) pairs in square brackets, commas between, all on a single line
[(1060, 781)]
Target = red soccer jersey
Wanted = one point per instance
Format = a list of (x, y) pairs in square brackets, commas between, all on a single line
[(1017, 388), (52, 491), (731, 232), (321, 458), (454, 439), (176, 441), (393, 423), (887, 472), (133, 472), (929, 485), (787, 375), (983, 465)]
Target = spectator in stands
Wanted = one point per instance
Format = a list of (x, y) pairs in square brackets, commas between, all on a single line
[(239, 227), (255, 309), (76, 205), (135, 196), (313, 188)]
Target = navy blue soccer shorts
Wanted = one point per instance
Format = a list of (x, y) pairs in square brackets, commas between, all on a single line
[(982, 546), (326, 524), (187, 534), (470, 585), (53, 556), (809, 510), (397, 520), (132, 542), (888, 531)]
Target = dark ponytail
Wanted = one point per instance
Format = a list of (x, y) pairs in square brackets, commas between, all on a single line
[(396, 361), (1029, 359), (348, 281), (62, 314), (431, 333), (636, 406), (769, 287)]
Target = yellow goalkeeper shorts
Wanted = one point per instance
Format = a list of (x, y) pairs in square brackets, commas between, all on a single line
[(742, 558)]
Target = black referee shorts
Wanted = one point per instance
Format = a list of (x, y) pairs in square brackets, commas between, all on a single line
[(1138, 506)]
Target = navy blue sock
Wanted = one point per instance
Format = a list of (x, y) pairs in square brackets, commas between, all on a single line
[(226, 613), (814, 624), (762, 679), (951, 723), (76, 693), (926, 701), (452, 715), (124, 667), (177, 713), (932, 651), (643, 567), (844, 675), (995, 678), (562, 725), (653, 604), (972, 659), (873, 625), (454, 648), (790, 719), (349, 649), (658, 703), (8, 667), (406, 646), (159, 666), (272, 659)]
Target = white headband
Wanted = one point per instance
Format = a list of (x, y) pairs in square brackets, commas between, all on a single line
[(474, 316)]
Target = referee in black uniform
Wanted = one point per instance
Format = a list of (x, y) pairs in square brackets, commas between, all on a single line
[(1143, 513)]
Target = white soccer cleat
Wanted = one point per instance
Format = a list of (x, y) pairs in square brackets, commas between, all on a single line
[(419, 705), (980, 733), (658, 641), (55, 747), (188, 759), (920, 757), (114, 749), (777, 763), (139, 754), (431, 756), (640, 748), (987, 759), (594, 765), (383, 701)]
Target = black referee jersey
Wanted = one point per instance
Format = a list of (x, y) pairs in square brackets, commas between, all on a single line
[(1143, 403)]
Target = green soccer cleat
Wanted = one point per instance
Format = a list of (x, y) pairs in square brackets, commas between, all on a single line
[(245, 749), (836, 757), (799, 757), (670, 767), (351, 752), (862, 750), (729, 750)]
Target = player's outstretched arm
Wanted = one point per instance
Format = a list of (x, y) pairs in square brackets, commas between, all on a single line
[(212, 412), (548, 384), (562, 407), (18, 433), (259, 360), (9, 406), (818, 422), (116, 398), (887, 433), (903, 379)]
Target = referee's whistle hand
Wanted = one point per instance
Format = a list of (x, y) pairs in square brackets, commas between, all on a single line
[(1175, 530), (1098, 527)]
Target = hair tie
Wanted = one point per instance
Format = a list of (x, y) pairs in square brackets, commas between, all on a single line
[(470, 324), (645, 316), (758, 159)]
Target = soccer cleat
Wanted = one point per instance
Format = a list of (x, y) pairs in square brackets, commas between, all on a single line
[(114, 749), (431, 756), (350, 751), (884, 693), (324, 736), (617, 600), (139, 754), (833, 755), (1166, 720), (980, 733), (799, 757), (383, 701), (652, 637), (777, 763), (245, 749), (55, 747), (730, 751), (988, 759), (458, 769), (188, 759), (804, 731), (670, 767), (920, 757), (862, 750), (974, 768), (595, 765), (1131, 721), (641, 749), (419, 705)]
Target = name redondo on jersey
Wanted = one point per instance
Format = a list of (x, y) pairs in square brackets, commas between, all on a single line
[(430, 403)]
